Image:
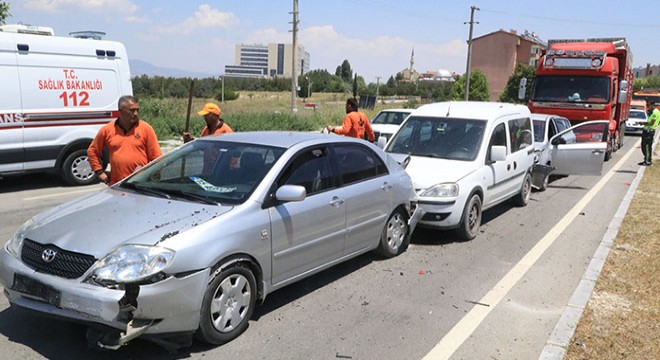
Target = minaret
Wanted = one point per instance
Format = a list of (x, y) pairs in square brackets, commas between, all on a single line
[(412, 62)]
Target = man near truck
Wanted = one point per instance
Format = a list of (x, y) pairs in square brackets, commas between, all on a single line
[(649, 132), (130, 141), (356, 124)]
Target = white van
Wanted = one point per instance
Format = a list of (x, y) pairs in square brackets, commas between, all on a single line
[(466, 157), (56, 94)]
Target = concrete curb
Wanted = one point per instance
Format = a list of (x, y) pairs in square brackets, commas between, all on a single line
[(556, 346)]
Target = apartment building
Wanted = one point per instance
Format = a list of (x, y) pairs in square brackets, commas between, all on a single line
[(267, 61)]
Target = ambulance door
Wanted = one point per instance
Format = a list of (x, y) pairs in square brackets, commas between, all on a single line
[(580, 150), (12, 154)]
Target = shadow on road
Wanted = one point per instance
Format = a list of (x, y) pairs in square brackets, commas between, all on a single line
[(15, 183)]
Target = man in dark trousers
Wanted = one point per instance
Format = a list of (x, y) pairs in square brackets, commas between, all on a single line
[(648, 133)]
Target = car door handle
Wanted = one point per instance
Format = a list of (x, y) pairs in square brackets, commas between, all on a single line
[(386, 186), (336, 201), (597, 152)]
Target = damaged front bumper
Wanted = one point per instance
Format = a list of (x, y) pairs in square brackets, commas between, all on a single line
[(168, 306)]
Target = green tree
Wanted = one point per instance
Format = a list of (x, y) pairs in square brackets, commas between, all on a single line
[(510, 93), (344, 71), (478, 87), (4, 12), (647, 83)]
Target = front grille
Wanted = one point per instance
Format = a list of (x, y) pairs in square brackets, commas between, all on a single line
[(66, 264)]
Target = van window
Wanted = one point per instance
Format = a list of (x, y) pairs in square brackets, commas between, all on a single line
[(521, 135)]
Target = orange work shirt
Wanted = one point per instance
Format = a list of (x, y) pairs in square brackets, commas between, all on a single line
[(128, 149), (224, 129), (356, 124)]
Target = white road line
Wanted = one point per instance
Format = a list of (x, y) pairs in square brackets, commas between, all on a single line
[(62, 194), (469, 323)]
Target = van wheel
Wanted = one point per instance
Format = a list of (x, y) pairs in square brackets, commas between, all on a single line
[(523, 196), (76, 169), (228, 304), (471, 219), (395, 236)]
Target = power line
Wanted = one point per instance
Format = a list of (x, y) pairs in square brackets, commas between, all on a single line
[(573, 21)]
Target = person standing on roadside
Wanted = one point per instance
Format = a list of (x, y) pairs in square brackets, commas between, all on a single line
[(214, 123), (648, 133), (356, 123), (131, 143)]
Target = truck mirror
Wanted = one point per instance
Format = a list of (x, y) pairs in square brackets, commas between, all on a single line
[(522, 88), (623, 92)]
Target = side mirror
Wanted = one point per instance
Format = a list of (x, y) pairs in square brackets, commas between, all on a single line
[(381, 142), (558, 141), (623, 92), (522, 88), (497, 153), (291, 193)]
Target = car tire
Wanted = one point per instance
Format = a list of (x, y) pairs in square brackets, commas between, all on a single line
[(471, 219), (76, 169), (228, 305), (395, 237), (522, 198), (546, 182)]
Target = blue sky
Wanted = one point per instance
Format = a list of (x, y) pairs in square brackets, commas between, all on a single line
[(375, 36)]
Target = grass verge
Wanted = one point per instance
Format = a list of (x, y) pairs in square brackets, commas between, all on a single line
[(622, 318)]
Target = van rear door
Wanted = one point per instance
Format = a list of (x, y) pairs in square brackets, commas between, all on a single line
[(12, 154), (580, 150)]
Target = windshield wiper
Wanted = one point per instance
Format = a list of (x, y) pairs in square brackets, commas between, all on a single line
[(145, 189), (191, 196)]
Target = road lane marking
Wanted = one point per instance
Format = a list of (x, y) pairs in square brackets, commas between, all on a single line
[(470, 322), (41, 197)]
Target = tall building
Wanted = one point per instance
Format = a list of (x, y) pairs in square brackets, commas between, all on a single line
[(496, 55), (267, 61)]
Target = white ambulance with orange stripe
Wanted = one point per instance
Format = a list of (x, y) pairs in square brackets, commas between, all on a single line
[(55, 94)]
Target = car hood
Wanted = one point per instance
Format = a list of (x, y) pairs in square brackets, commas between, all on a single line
[(97, 223), (385, 128), (426, 171)]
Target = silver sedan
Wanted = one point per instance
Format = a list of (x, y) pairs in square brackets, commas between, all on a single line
[(192, 242)]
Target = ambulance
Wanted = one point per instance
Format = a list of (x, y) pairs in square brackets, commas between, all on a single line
[(56, 93)]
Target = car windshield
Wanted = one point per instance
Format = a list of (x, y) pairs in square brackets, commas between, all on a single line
[(447, 138), (539, 130), (389, 118), (578, 89), (638, 115), (207, 171)]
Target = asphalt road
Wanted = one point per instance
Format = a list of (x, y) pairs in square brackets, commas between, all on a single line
[(496, 297)]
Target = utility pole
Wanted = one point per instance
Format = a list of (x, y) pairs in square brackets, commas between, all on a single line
[(294, 51), (469, 52), (377, 85)]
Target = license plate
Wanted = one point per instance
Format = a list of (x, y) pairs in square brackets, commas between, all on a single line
[(35, 288)]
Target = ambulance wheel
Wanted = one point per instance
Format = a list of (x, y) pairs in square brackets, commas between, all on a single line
[(76, 169)]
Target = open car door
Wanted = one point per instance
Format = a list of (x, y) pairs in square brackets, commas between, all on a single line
[(580, 150)]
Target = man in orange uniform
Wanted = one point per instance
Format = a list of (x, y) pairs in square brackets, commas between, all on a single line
[(356, 123), (131, 143), (214, 124)]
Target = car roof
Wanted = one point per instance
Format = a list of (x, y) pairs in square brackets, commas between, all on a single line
[(470, 109), (545, 116), (285, 139), (397, 110)]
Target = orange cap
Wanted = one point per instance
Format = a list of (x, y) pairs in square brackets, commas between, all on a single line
[(210, 108)]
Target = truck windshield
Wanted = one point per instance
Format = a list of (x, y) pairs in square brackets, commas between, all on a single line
[(579, 89)]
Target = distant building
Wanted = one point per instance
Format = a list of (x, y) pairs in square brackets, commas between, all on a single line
[(496, 55), (642, 72), (267, 61), (409, 74), (440, 75)]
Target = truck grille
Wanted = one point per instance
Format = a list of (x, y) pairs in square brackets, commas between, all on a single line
[(66, 264)]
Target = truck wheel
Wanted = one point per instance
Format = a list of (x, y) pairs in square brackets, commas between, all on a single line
[(471, 219), (76, 169)]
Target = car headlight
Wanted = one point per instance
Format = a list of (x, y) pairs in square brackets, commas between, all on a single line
[(14, 244), (132, 263), (441, 190)]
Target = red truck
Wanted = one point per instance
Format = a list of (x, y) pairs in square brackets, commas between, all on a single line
[(586, 79)]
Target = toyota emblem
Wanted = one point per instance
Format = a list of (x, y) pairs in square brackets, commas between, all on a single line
[(48, 255)]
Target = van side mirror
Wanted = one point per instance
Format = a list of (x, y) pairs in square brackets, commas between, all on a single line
[(497, 153)]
